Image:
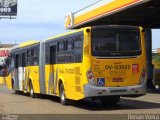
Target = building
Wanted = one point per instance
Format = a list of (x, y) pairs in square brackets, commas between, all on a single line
[(7, 45), (157, 50)]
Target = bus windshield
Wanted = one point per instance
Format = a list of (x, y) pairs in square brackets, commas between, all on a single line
[(115, 42)]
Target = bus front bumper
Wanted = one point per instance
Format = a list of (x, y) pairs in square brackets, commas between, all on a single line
[(129, 91)]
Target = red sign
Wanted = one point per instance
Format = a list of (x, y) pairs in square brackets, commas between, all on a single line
[(135, 68), (4, 53), (117, 80)]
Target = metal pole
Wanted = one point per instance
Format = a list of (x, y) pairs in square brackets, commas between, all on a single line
[(150, 67)]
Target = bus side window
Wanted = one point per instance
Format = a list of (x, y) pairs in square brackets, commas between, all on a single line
[(17, 61), (11, 64), (61, 52), (70, 44), (61, 46), (20, 64), (24, 58), (35, 56), (32, 56), (28, 57), (53, 54), (70, 51), (78, 48)]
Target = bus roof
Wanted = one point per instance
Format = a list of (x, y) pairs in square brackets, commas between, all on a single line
[(67, 33), (30, 42)]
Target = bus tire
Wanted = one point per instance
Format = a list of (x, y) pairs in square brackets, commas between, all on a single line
[(13, 88), (62, 95), (32, 94), (111, 100)]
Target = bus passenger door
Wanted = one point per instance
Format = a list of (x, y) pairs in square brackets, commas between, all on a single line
[(23, 71), (52, 81), (17, 64), (20, 72)]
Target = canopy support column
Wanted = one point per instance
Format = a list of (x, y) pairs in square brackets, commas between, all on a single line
[(150, 67)]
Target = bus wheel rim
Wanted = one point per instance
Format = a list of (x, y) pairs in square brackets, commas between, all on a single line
[(62, 94), (31, 92), (63, 98)]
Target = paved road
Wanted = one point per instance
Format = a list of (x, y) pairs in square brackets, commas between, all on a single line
[(23, 104)]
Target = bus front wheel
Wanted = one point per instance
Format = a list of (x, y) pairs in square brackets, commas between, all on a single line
[(32, 94), (62, 94), (14, 88)]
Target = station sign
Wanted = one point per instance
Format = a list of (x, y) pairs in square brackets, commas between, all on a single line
[(8, 7), (69, 20)]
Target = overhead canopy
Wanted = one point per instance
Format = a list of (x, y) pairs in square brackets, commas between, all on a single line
[(144, 13)]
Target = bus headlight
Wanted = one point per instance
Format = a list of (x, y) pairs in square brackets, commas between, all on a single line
[(90, 77)]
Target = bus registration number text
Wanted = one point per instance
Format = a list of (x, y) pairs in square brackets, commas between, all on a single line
[(117, 67)]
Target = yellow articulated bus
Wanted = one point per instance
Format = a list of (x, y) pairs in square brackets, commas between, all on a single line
[(100, 62)]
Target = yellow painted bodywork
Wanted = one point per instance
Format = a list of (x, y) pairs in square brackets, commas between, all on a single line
[(73, 75), (74, 81), (70, 77), (100, 68), (33, 77), (2, 80), (30, 42), (9, 81)]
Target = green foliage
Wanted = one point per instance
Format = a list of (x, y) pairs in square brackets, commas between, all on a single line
[(156, 57)]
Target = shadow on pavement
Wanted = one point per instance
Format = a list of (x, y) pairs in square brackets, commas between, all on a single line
[(94, 105), (122, 105)]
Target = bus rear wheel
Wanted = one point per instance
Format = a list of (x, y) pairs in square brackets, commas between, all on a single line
[(62, 94), (111, 100), (32, 94)]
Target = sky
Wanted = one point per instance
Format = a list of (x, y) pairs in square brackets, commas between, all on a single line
[(40, 20)]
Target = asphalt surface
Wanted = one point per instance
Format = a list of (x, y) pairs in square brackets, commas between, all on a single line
[(11, 103)]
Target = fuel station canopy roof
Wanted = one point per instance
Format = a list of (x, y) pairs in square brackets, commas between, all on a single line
[(145, 13)]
